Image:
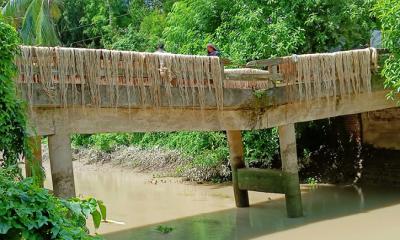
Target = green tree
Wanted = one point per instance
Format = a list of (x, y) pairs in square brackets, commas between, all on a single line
[(248, 30), (35, 20), (101, 21), (146, 28), (12, 115), (70, 27), (254, 31), (388, 12), (192, 24)]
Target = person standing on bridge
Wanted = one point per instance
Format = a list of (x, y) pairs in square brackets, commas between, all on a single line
[(212, 50), (160, 48)]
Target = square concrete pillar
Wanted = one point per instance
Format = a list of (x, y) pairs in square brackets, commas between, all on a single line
[(62, 172), (287, 140), (237, 162)]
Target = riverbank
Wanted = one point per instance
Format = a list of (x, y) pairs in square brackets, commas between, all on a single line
[(159, 162)]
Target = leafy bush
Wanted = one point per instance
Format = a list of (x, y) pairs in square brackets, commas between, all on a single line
[(261, 147), (388, 13), (209, 150), (12, 115), (164, 229), (29, 212)]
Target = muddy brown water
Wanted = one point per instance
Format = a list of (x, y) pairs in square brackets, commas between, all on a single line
[(207, 212)]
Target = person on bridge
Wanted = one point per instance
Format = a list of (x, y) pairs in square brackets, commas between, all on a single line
[(212, 50), (160, 48)]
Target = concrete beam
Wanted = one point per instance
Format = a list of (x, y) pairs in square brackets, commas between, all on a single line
[(237, 162), (62, 172), (287, 139), (89, 120), (261, 180)]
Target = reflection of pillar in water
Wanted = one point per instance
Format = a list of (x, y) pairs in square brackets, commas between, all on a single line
[(361, 195), (243, 223)]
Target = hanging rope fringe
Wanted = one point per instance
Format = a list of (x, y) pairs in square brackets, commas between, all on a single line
[(316, 76), (247, 84), (145, 78), (89, 77)]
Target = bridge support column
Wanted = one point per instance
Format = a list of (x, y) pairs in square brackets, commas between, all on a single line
[(62, 173), (237, 162), (287, 139)]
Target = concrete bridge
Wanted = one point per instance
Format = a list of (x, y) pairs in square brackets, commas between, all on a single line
[(100, 91)]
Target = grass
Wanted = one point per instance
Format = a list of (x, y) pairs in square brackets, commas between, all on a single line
[(164, 229), (207, 149)]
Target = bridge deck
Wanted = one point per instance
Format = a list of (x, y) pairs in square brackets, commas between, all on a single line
[(130, 91)]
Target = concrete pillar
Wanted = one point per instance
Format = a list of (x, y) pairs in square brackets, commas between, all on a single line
[(35, 143), (62, 173), (237, 162), (287, 139)]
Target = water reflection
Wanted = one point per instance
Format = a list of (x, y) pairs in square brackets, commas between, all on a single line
[(320, 204)]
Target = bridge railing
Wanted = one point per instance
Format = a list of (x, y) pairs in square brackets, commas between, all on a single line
[(314, 76), (71, 76), (148, 76)]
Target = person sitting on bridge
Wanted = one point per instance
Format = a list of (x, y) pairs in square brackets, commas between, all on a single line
[(160, 48), (212, 50)]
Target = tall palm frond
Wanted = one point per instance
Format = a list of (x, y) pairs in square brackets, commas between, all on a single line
[(35, 20)]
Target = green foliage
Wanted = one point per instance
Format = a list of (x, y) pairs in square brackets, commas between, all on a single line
[(208, 149), (35, 19), (261, 147), (330, 25), (12, 115), (82, 209), (92, 23), (164, 229), (247, 30), (191, 25), (254, 31), (243, 30), (70, 27), (132, 40), (146, 28), (29, 212), (312, 181), (152, 27), (388, 13)]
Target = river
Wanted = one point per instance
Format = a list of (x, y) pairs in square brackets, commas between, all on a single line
[(141, 203)]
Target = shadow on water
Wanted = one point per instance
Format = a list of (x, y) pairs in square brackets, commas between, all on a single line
[(322, 203)]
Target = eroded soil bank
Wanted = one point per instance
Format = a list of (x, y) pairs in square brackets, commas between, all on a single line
[(157, 161)]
